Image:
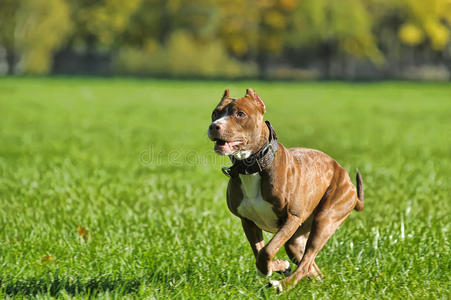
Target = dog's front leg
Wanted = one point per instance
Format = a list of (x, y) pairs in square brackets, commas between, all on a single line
[(267, 253), (254, 235)]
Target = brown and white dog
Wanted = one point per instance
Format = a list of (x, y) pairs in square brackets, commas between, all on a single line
[(301, 195)]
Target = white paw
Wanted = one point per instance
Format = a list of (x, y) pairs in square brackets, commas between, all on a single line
[(287, 271), (276, 285), (287, 264), (264, 275)]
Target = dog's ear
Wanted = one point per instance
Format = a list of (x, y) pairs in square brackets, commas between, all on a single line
[(256, 97), (226, 94)]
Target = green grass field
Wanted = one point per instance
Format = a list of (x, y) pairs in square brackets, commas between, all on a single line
[(129, 159)]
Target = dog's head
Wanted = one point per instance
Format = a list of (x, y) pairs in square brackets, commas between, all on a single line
[(237, 126)]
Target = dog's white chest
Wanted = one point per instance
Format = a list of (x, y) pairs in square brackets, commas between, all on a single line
[(253, 207)]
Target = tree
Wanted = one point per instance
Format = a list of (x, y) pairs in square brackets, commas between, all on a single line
[(335, 28), (255, 29), (426, 21), (31, 31), (100, 23), (410, 32), (8, 10)]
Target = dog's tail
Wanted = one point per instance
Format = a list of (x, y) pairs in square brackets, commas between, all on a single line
[(359, 205)]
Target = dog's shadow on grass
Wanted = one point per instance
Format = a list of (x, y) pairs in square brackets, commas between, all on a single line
[(35, 286)]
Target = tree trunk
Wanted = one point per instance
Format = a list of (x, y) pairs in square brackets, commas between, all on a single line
[(327, 57), (10, 60), (262, 61)]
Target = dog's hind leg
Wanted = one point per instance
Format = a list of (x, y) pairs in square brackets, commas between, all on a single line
[(322, 230), (333, 210), (295, 246)]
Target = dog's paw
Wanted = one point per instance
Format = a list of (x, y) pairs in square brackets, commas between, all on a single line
[(287, 271), (275, 284), (282, 267)]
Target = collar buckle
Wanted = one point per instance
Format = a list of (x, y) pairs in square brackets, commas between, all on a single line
[(226, 171), (271, 148)]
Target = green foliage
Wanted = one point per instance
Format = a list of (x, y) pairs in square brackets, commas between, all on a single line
[(8, 10), (265, 33), (130, 161), (41, 29), (103, 20), (416, 22), (34, 29), (197, 59), (254, 27), (346, 25)]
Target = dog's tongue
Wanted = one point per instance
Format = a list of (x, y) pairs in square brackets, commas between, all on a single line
[(227, 147), (233, 143)]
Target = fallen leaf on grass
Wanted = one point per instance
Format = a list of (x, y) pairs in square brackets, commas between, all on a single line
[(47, 258), (84, 233)]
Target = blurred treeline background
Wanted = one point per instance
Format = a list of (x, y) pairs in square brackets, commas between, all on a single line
[(279, 39)]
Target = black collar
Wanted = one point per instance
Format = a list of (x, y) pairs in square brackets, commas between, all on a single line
[(258, 161)]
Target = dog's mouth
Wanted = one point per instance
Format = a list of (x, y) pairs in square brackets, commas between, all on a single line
[(226, 147)]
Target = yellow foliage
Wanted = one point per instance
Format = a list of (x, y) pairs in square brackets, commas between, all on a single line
[(410, 34), (262, 3), (239, 20), (187, 37), (173, 5), (347, 23), (47, 258), (430, 18), (288, 5), (196, 59), (151, 46), (84, 234), (274, 19), (249, 27), (42, 27), (362, 47), (199, 59), (238, 45), (108, 19), (438, 34)]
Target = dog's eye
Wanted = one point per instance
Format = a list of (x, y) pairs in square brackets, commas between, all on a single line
[(240, 114)]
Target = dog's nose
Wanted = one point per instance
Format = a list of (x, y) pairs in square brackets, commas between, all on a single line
[(214, 126)]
